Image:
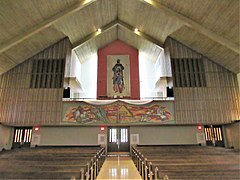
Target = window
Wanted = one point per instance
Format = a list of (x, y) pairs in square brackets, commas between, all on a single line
[(47, 73), (188, 72)]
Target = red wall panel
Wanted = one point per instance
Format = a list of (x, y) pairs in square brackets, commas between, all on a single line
[(118, 48)]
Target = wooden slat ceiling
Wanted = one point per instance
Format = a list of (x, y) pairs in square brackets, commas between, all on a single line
[(208, 47), (88, 49), (148, 49), (51, 20), (147, 19), (18, 16), (221, 17), (89, 19)]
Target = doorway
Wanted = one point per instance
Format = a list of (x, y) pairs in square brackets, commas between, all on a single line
[(118, 139), (214, 135), (22, 137)]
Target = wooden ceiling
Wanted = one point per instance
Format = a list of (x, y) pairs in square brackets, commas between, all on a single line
[(210, 27)]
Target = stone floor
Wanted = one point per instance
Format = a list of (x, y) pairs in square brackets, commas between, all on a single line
[(118, 167)]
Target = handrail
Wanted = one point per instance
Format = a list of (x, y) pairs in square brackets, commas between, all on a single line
[(156, 173), (93, 166), (145, 167), (82, 173), (165, 177)]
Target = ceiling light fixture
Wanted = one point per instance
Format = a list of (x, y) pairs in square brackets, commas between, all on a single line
[(99, 30), (136, 30)]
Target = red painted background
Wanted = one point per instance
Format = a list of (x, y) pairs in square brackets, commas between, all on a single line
[(118, 48)]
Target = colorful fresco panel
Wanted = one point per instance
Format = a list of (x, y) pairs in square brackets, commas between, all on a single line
[(117, 113)]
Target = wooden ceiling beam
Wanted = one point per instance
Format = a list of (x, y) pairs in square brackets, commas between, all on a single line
[(95, 34), (194, 25), (45, 24)]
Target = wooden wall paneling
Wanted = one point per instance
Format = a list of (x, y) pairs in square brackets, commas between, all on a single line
[(26, 117), (50, 94), (24, 68), (44, 116), (59, 68), (54, 95), (54, 50), (49, 74), (208, 101), (62, 71), (234, 82), (1, 82), (33, 118), (200, 74), (44, 106), (222, 80), (27, 81), (23, 105), (176, 77), (215, 68), (34, 95), (3, 114), (50, 119), (187, 74), (39, 97), (237, 104), (191, 117), (230, 79), (50, 104), (218, 79), (173, 72), (182, 72), (7, 80), (45, 95), (230, 93), (185, 116), (22, 112), (195, 73), (202, 71), (53, 73), (57, 117), (1, 108), (179, 120)]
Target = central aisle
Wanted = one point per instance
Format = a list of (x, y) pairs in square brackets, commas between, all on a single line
[(118, 167)]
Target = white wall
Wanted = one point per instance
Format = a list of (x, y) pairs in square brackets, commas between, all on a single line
[(153, 76), (69, 136), (232, 135), (148, 135), (73, 67), (147, 77), (166, 135), (6, 136), (89, 77)]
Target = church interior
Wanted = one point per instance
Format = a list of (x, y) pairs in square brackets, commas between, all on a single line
[(119, 89)]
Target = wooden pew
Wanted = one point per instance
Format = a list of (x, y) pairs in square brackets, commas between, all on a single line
[(186, 162), (52, 163)]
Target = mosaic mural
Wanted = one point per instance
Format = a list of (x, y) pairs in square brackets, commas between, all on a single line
[(118, 112)]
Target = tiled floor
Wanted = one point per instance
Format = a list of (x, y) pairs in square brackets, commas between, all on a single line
[(118, 167)]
